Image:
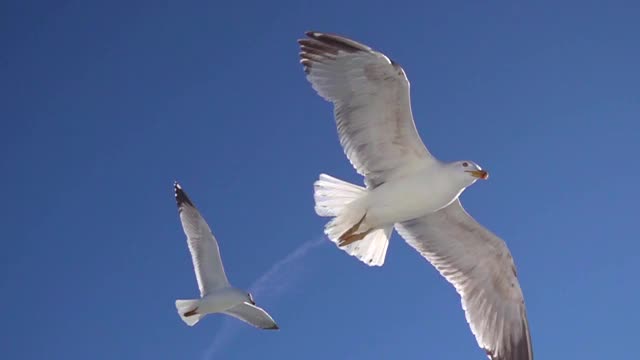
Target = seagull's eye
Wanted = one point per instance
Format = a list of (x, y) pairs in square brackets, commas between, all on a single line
[(465, 164)]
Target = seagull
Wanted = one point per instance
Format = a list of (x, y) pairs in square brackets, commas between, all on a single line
[(410, 190), (216, 294)]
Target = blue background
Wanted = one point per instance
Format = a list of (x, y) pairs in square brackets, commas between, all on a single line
[(105, 104)]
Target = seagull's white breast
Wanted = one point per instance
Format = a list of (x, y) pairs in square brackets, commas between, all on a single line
[(220, 300), (411, 197)]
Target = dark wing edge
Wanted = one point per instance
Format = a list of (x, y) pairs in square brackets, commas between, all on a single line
[(321, 46), (518, 349), (181, 196)]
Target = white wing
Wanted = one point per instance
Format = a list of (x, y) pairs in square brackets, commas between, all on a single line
[(253, 315), (202, 245), (479, 265), (372, 107)]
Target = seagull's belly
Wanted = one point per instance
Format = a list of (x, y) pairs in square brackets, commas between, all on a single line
[(408, 199), (218, 301)]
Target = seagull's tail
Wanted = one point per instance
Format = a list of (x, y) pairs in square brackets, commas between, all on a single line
[(336, 198), (188, 311)]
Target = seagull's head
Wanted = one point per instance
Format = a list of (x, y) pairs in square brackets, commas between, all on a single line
[(470, 171)]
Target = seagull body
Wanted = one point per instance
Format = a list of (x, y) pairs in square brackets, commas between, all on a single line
[(216, 294), (219, 301), (410, 190), (430, 189)]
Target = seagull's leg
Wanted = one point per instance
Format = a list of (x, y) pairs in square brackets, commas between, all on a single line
[(350, 236), (191, 313), (344, 241)]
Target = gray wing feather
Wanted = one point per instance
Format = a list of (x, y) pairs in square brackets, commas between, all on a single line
[(479, 265), (372, 105), (253, 315)]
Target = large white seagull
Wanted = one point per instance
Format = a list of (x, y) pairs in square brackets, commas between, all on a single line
[(409, 189)]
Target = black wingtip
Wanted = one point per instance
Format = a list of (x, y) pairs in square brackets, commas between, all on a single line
[(335, 41), (312, 34), (516, 348), (274, 327), (181, 196), (318, 46)]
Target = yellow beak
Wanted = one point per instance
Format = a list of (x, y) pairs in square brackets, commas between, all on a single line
[(480, 174)]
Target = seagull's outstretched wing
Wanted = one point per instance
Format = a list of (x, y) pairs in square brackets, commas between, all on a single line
[(202, 245), (372, 107), (479, 265), (253, 315)]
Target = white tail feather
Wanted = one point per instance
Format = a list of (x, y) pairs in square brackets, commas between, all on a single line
[(333, 195), (372, 249), (184, 306), (337, 198)]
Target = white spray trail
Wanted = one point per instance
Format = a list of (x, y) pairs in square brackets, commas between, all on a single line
[(271, 284)]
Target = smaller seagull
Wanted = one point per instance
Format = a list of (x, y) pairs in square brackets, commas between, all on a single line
[(216, 294)]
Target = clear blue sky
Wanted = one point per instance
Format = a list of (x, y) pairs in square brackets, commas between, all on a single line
[(105, 104)]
